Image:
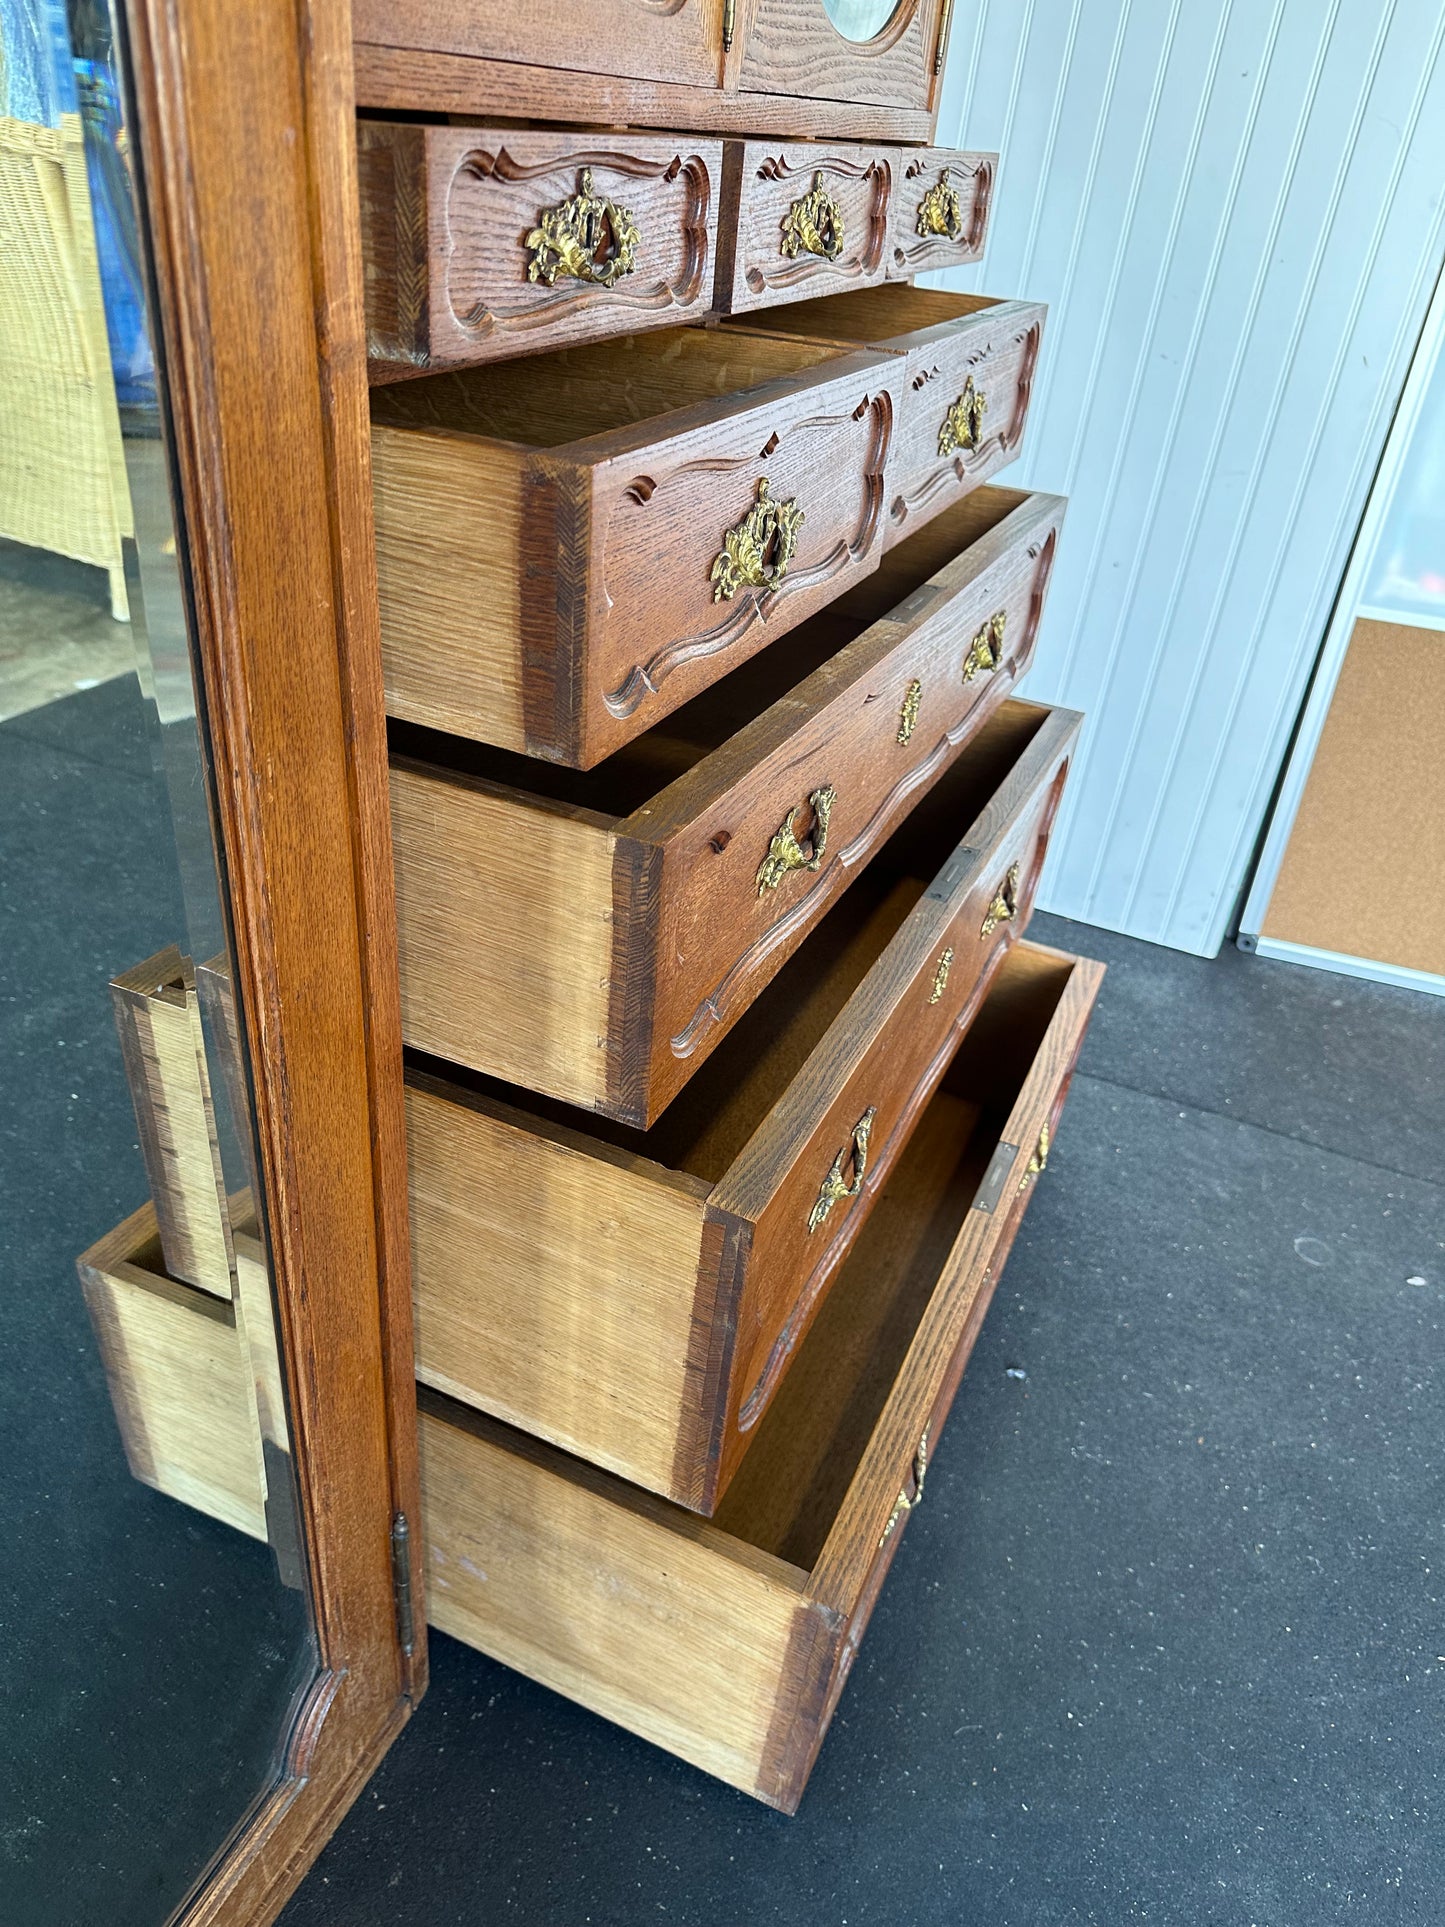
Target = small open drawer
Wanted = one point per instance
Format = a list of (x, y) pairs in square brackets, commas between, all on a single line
[(594, 937), (637, 1297), (967, 385), (571, 547), (801, 220), (487, 241), (729, 1642), (942, 200)]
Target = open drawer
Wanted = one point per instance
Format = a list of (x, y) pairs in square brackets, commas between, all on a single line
[(594, 937), (637, 1297), (569, 549), (969, 374), (728, 1643), (486, 241)]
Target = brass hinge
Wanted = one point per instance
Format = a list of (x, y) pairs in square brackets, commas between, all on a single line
[(943, 27), (730, 21), (401, 1582)]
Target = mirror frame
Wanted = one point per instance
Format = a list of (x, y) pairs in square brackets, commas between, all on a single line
[(243, 126)]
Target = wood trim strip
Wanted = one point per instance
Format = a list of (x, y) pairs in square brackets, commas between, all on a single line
[(409, 79), (258, 305)]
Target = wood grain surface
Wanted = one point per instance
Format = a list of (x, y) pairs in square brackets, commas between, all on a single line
[(734, 1165), (158, 1019), (395, 78), (949, 341), (972, 178), (504, 968), (679, 42), (762, 181), (445, 217), (618, 476), (791, 47), (729, 1642)]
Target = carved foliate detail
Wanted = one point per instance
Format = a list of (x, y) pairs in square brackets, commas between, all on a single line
[(814, 225), (587, 238), (756, 551)]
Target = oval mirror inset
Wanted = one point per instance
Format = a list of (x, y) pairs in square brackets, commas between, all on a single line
[(860, 20)]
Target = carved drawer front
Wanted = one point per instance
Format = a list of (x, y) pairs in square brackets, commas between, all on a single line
[(570, 549), (802, 221), (636, 1296), (482, 242), (727, 1642), (969, 379), (594, 937), (671, 41), (942, 199)]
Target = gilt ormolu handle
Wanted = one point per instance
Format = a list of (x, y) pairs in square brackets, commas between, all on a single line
[(756, 551), (786, 853), (587, 238), (834, 1190), (813, 225), (904, 1502), (963, 424), (1005, 905)]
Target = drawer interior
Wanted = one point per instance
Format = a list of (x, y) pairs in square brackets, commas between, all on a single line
[(643, 767), (866, 316), (707, 1125), (544, 401), (789, 1490), (787, 1497)]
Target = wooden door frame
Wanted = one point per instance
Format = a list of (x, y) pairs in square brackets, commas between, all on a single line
[(245, 150)]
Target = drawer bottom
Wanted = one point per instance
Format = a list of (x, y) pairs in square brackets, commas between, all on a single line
[(728, 1640)]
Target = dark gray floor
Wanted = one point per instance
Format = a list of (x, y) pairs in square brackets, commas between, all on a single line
[(1165, 1643)]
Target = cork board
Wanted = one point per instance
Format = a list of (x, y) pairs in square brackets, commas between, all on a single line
[(1364, 873)]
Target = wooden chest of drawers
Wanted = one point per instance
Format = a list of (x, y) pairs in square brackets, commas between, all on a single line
[(567, 555), (726, 1641), (968, 380), (594, 938), (636, 1296)]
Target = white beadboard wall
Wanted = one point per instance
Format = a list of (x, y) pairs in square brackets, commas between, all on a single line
[(1235, 214)]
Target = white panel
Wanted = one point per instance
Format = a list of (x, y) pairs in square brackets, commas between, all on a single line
[(1235, 213)]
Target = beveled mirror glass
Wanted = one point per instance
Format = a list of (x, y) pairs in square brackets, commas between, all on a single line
[(156, 1618)]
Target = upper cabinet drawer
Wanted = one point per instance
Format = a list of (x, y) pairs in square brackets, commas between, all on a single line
[(570, 549), (885, 52), (941, 203), (595, 937), (823, 69), (968, 380), (802, 221), (482, 242)]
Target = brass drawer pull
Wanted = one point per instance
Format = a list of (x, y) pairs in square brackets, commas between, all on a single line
[(985, 652), (756, 551), (963, 424), (588, 238), (941, 211), (814, 225), (903, 1503), (940, 976), (833, 1190), (1039, 1162), (1005, 906), (786, 853), (908, 715)]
